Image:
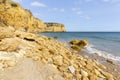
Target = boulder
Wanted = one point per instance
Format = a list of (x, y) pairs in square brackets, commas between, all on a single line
[(78, 44), (9, 44)]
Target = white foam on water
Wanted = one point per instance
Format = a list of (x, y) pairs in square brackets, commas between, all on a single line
[(92, 50)]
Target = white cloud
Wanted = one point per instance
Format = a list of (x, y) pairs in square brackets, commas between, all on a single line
[(87, 17), (38, 4), (57, 9), (75, 9), (79, 12), (62, 10)]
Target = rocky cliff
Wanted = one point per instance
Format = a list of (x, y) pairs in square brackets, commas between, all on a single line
[(13, 14), (55, 27)]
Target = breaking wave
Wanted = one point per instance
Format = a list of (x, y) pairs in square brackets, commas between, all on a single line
[(92, 50)]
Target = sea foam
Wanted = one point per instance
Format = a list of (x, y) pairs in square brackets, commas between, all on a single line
[(92, 50)]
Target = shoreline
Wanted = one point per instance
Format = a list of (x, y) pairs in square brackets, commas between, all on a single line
[(113, 66)]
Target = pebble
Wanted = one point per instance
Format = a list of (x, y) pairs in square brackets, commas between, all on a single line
[(72, 69)]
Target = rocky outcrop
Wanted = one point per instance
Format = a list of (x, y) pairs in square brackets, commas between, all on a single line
[(25, 56), (78, 44), (55, 27), (13, 14)]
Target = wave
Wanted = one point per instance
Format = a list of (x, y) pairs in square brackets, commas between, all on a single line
[(92, 50)]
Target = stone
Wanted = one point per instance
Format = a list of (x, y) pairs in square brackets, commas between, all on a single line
[(10, 63), (84, 42), (89, 67), (83, 73), (9, 44), (74, 42), (79, 42), (96, 72), (77, 48), (107, 75), (36, 58), (68, 76), (58, 60), (93, 77), (111, 62), (72, 69), (85, 78)]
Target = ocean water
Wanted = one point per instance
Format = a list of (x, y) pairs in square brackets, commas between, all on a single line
[(106, 44)]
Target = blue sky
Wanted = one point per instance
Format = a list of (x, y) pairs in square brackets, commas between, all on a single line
[(77, 15)]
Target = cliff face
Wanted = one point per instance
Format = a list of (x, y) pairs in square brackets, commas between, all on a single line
[(55, 27), (13, 14)]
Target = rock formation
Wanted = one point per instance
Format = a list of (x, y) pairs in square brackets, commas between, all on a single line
[(55, 27), (26, 56), (13, 14), (78, 44)]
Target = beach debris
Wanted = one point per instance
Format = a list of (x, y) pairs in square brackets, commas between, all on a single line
[(72, 69)]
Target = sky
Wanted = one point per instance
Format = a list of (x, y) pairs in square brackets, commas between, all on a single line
[(77, 15)]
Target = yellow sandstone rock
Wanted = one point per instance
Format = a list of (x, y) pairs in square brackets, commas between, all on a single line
[(78, 44), (6, 32), (9, 44), (58, 60)]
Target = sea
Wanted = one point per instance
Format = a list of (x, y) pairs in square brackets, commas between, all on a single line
[(105, 44)]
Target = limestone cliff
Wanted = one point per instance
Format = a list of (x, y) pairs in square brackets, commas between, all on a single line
[(13, 14), (55, 27)]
